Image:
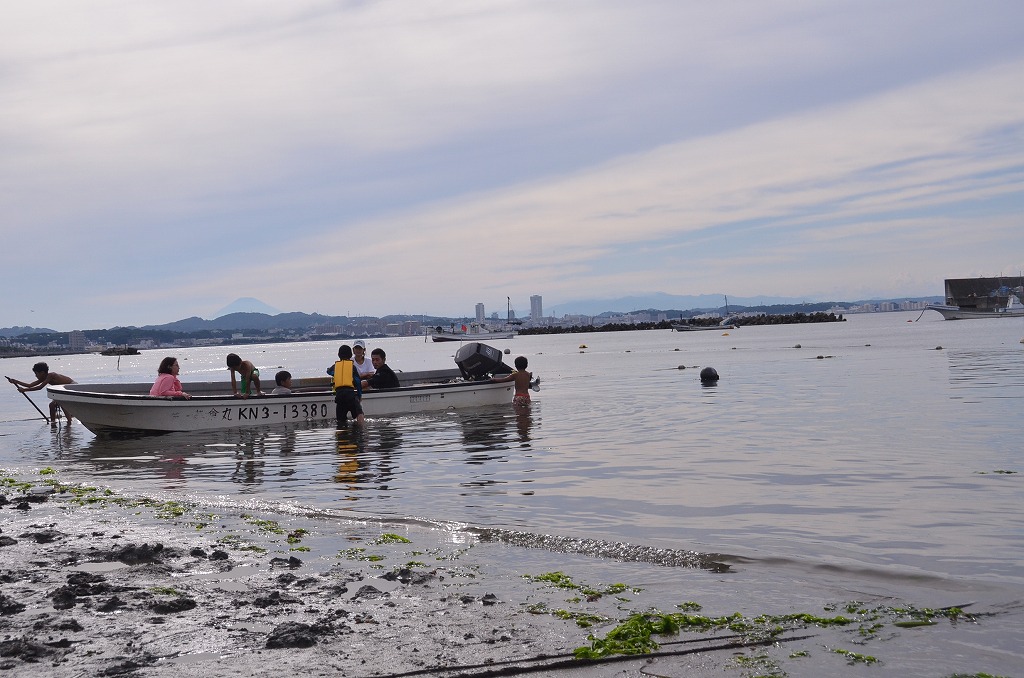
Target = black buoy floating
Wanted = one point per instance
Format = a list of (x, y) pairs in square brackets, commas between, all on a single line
[(709, 376)]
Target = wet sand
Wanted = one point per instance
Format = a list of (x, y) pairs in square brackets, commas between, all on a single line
[(92, 583), (118, 588)]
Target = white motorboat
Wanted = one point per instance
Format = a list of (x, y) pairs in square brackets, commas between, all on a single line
[(472, 332), (107, 408), (1012, 309), (974, 298)]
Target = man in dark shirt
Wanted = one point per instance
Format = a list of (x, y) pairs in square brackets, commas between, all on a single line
[(384, 376)]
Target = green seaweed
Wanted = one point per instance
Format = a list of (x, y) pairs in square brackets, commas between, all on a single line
[(359, 554), (563, 581), (856, 657), (271, 526), (389, 538), (165, 591)]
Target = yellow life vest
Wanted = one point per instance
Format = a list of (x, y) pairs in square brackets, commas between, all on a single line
[(343, 375)]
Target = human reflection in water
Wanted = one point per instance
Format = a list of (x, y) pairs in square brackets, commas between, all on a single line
[(487, 432), (524, 423), (367, 456), (250, 462), (349, 444), (383, 444)]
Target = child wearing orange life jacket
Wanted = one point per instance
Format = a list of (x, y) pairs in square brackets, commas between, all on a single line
[(348, 390)]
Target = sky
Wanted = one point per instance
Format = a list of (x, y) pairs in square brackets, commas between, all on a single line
[(159, 160)]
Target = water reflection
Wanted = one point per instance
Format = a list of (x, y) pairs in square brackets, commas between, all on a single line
[(250, 466), (985, 374), (488, 433), (367, 456), (484, 451)]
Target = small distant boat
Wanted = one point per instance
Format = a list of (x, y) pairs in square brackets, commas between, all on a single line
[(727, 323), (120, 350), (686, 327), (975, 298), (474, 332)]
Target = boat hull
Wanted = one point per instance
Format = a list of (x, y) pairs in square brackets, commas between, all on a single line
[(102, 409), (479, 336), (699, 328), (957, 313)]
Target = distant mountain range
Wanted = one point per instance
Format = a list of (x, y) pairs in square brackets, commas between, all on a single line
[(661, 301), (252, 314), (15, 331)]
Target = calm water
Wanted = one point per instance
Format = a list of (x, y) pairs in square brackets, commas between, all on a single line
[(864, 460)]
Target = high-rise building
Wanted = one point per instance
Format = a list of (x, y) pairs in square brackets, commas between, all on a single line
[(76, 340), (536, 307), (479, 313)]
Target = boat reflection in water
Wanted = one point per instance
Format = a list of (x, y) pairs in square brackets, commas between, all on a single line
[(485, 451)]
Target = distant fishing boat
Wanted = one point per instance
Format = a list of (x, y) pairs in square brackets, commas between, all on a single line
[(975, 298), (474, 332)]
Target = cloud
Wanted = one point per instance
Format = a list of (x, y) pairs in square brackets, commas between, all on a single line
[(874, 171), (423, 156)]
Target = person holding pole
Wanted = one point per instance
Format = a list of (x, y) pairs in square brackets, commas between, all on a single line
[(44, 377)]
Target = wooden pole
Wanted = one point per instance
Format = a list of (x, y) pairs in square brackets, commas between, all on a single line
[(36, 406)]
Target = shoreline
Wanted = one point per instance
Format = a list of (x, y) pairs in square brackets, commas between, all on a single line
[(97, 583), (92, 583)]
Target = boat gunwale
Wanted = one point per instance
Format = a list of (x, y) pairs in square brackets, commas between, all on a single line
[(72, 391)]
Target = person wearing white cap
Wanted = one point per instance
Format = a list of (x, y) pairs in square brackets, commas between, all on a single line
[(363, 365)]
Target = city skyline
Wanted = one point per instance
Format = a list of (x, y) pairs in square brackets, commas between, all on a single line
[(416, 157)]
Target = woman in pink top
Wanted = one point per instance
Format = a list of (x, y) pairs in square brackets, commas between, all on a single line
[(167, 383)]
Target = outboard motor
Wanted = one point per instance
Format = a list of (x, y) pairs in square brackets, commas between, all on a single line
[(476, 361)]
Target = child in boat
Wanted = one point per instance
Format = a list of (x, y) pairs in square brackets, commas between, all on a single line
[(348, 390), (248, 375), (167, 383), (44, 377), (283, 379), (522, 380)]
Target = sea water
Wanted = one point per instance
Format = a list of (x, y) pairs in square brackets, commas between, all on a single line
[(879, 456)]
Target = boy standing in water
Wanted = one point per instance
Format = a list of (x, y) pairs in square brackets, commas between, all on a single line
[(522, 380), (348, 390), (247, 374), (44, 377)]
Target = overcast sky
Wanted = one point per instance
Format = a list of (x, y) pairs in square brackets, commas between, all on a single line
[(160, 159)]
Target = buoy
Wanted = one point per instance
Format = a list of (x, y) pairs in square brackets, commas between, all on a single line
[(938, 348), (709, 375), (508, 351), (681, 367)]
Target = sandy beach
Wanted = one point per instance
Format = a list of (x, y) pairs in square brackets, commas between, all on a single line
[(96, 583)]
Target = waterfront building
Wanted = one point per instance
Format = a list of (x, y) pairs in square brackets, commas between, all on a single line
[(76, 341)]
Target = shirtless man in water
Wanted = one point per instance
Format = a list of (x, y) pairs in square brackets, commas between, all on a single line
[(44, 378)]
